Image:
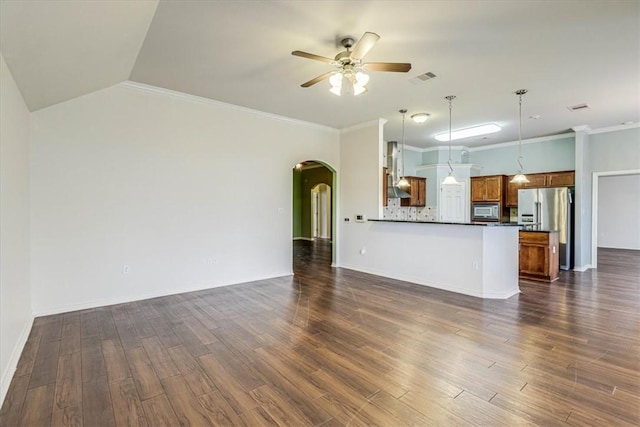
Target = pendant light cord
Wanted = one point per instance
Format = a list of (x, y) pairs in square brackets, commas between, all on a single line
[(450, 98), (403, 111), (520, 93)]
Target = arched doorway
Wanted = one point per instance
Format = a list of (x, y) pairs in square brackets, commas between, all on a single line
[(313, 213)]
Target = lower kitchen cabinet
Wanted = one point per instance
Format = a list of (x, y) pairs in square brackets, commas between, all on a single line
[(417, 190), (539, 255)]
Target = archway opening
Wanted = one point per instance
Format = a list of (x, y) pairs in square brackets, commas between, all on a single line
[(313, 215)]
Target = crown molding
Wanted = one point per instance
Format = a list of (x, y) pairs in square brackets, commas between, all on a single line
[(524, 141), (368, 124), (437, 148), (455, 166), (613, 128), (219, 104)]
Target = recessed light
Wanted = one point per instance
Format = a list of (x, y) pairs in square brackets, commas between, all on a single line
[(469, 132)]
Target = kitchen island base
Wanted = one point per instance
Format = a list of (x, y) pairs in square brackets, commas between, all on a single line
[(480, 260)]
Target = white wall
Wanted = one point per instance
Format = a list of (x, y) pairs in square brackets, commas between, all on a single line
[(15, 291), (546, 154), (188, 193), (607, 151), (360, 187), (618, 212)]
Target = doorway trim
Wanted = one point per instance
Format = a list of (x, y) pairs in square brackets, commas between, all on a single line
[(594, 208)]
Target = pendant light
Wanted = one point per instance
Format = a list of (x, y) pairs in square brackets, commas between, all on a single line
[(403, 183), (450, 179), (520, 177)]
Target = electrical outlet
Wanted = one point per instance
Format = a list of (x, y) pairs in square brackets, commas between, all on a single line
[(125, 269), (476, 265)]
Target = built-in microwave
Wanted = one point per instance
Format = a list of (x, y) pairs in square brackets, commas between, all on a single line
[(485, 211)]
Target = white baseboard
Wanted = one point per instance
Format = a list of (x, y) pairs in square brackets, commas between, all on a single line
[(10, 369), (444, 287), (146, 295), (309, 239), (582, 267)]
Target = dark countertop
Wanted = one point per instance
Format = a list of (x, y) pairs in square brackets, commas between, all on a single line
[(480, 224)]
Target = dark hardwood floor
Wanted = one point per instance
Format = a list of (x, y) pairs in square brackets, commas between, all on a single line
[(337, 347)]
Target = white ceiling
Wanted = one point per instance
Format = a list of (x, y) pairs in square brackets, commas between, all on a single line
[(239, 52)]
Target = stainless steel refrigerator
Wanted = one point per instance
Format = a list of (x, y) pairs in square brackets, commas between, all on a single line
[(549, 209)]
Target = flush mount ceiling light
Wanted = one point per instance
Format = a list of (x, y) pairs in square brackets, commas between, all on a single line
[(468, 132), (403, 183), (420, 117), (450, 179), (520, 178)]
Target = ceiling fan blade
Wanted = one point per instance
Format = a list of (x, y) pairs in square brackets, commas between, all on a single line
[(398, 67), (318, 79), (312, 56), (364, 45)]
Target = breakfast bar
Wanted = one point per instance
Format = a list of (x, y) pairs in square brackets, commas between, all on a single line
[(476, 259)]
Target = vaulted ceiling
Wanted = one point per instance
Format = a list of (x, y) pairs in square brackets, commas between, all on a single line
[(239, 52)]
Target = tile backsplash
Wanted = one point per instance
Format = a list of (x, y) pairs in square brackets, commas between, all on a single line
[(393, 210)]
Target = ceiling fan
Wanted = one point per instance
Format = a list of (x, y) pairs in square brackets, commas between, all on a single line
[(350, 66)]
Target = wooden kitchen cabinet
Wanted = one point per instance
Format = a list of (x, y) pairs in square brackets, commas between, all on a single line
[(488, 188), (418, 191), (561, 179), (539, 255), (385, 187), (539, 180)]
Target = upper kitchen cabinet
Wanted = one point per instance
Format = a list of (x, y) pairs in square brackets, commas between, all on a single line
[(539, 180), (385, 186), (418, 192), (560, 179), (488, 188)]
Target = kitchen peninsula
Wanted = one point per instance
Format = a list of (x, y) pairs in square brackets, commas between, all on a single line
[(476, 259)]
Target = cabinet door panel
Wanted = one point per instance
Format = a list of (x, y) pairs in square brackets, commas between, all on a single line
[(416, 190), (385, 187), (493, 188), (512, 193), (562, 179), (478, 189), (534, 259), (537, 180)]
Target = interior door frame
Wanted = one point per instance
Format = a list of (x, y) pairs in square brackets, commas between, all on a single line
[(594, 208)]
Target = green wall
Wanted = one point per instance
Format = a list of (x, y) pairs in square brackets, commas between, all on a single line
[(297, 203), (303, 181)]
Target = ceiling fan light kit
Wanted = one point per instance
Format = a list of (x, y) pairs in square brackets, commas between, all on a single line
[(350, 66)]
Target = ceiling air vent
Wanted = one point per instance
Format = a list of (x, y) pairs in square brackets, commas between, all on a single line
[(421, 78), (578, 107)]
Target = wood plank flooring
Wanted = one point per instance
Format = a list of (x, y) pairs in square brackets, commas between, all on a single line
[(337, 347)]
